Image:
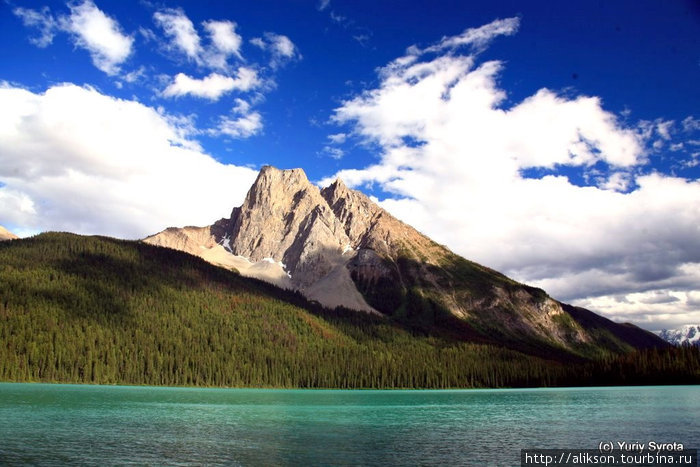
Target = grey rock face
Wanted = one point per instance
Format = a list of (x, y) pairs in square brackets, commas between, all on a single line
[(285, 218)]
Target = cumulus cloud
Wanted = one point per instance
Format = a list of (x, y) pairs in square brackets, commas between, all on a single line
[(241, 127), (180, 29), (497, 184), (91, 29), (224, 41), (100, 35), (223, 35), (617, 181), (74, 159), (282, 49), (281, 45), (244, 123), (213, 86)]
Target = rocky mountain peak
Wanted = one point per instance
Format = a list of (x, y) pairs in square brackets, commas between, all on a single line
[(335, 191), (285, 218), (274, 187), (338, 247), (353, 208)]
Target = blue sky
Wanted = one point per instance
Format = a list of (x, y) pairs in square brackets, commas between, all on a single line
[(558, 142)]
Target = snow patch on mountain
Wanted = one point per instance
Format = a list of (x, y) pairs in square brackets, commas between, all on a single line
[(226, 243), (688, 334)]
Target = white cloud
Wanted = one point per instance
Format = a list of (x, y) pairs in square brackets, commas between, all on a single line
[(74, 159), (100, 35), (691, 124), (663, 128), (213, 86), (244, 126), (180, 30), (281, 45), (225, 41), (323, 4), (91, 29), (338, 138), (676, 147), (335, 153), (478, 37), (617, 181), (281, 48), (136, 75), (258, 42), (43, 20), (224, 37), (654, 310), (458, 163), (147, 34)]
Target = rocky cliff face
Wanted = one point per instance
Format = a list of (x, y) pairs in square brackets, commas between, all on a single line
[(285, 225), (338, 247), (285, 218)]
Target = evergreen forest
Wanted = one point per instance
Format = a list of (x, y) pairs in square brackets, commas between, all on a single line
[(76, 309)]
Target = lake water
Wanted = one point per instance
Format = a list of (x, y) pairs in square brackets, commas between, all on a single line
[(45, 424)]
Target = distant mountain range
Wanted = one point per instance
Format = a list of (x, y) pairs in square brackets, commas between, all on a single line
[(338, 248), (689, 334)]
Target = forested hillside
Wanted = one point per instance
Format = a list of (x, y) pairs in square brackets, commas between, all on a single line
[(100, 310)]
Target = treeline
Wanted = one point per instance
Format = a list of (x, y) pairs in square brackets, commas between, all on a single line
[(98, 310), (673, 365)]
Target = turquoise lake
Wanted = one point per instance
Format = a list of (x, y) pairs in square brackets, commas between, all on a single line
[(53, 424)]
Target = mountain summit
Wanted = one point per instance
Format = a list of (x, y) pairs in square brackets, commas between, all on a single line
[(339, 248)]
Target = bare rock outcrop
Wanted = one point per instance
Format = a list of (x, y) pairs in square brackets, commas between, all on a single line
[(286, 228), (285, 218)]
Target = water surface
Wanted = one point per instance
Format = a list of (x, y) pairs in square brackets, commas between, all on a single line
[(49, 424)]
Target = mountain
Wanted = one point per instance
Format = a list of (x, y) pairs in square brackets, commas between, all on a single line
[(688, 334), (101, 310), (6, 234), (338, 248), (76, 309)]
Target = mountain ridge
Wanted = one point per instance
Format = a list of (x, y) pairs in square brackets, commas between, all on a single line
[(339, 248), (6, 234), (685, 335), (99, 310)]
